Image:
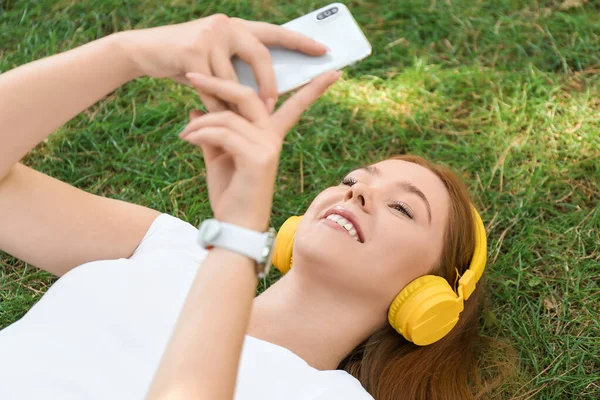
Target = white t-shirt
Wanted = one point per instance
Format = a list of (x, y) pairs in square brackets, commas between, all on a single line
[(99, 333)]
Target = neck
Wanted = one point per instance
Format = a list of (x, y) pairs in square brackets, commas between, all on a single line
[(313, 321)]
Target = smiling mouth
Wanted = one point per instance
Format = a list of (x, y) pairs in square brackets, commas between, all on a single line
[(342, 224)]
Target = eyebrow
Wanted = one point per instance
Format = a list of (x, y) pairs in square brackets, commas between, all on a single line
[(407, 186)]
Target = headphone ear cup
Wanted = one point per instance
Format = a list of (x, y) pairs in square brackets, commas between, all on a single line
[(284, 244), (425, 310)]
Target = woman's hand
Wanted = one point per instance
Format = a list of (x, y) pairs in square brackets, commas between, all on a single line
[(242, 151), (206, 46)]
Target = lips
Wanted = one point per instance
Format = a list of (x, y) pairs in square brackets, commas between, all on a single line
[(344, 212)]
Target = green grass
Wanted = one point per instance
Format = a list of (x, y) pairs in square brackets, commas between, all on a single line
[(505, 92)]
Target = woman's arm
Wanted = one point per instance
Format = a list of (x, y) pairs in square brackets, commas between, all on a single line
[(55, 226), (202, 357), (46, 222), (39, 97)]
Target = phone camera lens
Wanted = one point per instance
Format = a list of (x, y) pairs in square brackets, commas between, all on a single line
[(327, 13)]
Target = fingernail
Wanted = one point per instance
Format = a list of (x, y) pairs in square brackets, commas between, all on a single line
[(270, 103), (323, 45)]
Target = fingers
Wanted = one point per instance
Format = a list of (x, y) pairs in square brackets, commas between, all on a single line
[(256, 54), (220, 137), (249, 104), (274, 35), (211, 102), (225, 119), (289, 113), (220, 63)]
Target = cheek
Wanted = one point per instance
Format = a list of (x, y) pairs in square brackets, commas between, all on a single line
[(413, 252), (399, 258)]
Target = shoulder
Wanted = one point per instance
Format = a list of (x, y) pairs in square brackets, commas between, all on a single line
[(168, 233), (343, 387), (287, 376)]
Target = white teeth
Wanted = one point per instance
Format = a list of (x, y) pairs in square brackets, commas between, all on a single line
[(334, 217), (344, 223)]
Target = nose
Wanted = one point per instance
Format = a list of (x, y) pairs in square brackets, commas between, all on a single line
[(357, 192)]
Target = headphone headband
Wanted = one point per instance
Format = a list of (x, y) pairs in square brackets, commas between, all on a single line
[(467, 282)]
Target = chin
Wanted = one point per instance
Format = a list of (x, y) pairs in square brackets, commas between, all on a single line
[(324, 248)]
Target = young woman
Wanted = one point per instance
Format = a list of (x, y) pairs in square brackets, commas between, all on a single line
[(141, 309)]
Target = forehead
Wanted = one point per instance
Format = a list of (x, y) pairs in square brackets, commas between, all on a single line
[(395, 170)]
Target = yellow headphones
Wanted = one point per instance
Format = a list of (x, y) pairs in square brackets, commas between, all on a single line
[(427, 308)]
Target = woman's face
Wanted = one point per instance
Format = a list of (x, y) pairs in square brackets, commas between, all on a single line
[(398, 210)]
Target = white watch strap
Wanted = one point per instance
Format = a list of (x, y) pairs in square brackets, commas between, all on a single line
[(235, 238)]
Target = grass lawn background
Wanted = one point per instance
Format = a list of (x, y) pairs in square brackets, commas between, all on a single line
[(505, 92)]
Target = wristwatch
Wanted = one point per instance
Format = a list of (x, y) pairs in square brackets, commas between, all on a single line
[(255, 245)]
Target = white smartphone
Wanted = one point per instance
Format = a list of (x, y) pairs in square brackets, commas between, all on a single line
[(335, 27)]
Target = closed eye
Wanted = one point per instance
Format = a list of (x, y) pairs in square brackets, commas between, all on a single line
[(349, 181), (400, 206)]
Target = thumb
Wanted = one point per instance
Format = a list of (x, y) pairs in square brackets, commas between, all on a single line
[(289, 113)]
